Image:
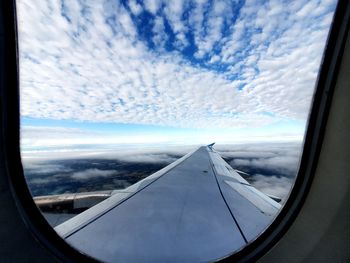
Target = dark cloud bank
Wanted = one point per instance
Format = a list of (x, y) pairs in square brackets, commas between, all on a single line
[(272, 168)]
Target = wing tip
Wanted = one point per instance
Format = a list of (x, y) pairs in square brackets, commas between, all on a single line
[(211, 145)]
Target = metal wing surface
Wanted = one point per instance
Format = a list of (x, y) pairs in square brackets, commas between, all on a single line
[(195, 209)]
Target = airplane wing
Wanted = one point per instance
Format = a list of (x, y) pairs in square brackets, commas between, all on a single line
[(195, 209)]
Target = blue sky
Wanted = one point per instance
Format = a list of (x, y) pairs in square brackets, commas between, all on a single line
[(168, 71)]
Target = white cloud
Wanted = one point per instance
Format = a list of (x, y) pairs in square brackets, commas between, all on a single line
[(160, 37), (44, 168), (173, 12), (90, 64), (279, 158), (281, 164), (58, 139), (147, 158), (248, 154), (273, 185), (288, 49), (278, 161), (128, 152), (213, 27), (92, 173), (152, 5), (42, 181), (135, 8)]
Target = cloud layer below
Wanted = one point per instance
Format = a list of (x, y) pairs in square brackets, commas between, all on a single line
[(272, 167)]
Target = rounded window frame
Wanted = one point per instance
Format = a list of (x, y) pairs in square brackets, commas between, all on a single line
[(311, 149)]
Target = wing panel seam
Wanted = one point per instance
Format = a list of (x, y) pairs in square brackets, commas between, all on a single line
[(223, 197)]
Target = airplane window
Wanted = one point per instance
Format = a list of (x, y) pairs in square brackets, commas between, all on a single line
[(156, 130)]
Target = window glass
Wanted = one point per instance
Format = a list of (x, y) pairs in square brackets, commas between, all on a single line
[(112, 92)]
